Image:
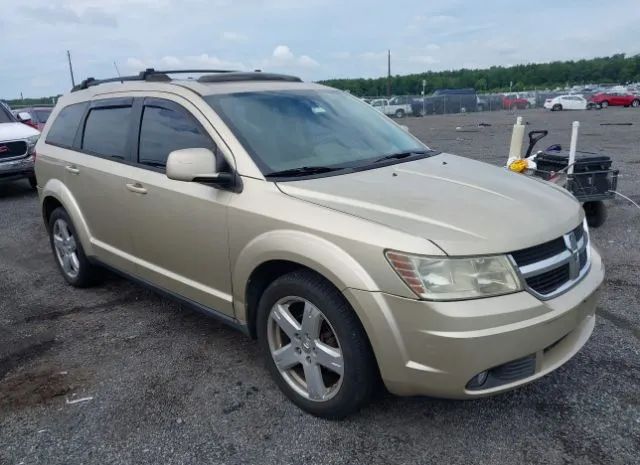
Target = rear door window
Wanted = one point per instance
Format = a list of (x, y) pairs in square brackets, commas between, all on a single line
[(106, 131), (164, 129), (64, 128)]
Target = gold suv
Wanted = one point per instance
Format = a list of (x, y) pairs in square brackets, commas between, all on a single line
[(308, 220)]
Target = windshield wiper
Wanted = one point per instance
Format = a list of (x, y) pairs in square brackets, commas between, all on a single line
[(400, 155), (302, 171)]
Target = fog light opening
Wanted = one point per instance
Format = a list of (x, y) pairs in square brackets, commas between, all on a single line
[(478, 380)]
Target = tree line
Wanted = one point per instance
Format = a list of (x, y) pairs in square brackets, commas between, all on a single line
[(616, 69)]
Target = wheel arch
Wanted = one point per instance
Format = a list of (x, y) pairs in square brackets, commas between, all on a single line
[(55, 194), (279, 252)]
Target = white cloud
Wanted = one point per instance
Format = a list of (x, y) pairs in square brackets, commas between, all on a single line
[(283, 57), (307, 62), (282, 53), (201, 61)]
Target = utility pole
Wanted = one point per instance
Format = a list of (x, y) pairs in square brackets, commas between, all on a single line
[(388, 73), (73, 81)]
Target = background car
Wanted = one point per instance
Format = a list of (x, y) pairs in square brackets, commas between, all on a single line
[(566, 102), (39, 116), (616, 99), (515, 102)]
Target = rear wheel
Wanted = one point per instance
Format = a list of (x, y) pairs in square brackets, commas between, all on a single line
[(527, 106), (514, 107), (68, 251), (604, 104), (33, 182), (557, 107), (400, 113), (315, 346), (596, 213), (635, 103)]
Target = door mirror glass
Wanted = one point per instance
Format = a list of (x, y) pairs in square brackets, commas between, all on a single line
[(192, 165)]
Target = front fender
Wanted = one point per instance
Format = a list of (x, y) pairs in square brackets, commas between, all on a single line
[(56, 189), (316, 253)]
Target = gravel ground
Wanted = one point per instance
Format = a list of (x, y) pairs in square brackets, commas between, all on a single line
[(165, 385)]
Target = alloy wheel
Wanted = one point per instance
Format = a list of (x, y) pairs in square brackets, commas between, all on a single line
[(66, 248), (305, 348)]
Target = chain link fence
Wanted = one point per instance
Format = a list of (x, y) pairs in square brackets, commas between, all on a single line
[(458, 101)]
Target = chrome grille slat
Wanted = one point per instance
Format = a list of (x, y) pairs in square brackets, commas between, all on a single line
[(551, 275)]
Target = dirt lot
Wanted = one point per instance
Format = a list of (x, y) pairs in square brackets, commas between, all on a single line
[(165, 385)]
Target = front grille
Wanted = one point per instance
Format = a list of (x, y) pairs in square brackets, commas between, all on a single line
[(548, 282), (13, 149), (551, 268), (539, 252)]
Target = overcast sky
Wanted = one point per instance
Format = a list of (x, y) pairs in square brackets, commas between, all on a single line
[(315, 39)]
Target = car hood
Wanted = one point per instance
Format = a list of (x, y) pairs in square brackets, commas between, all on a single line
[(12, 131), (464, 206)]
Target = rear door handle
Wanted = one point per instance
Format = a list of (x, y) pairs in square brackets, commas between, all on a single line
[(137, 188), (72, 169)]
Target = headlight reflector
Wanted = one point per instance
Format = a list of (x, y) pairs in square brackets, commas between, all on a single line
[(445, 278), (31, 144)]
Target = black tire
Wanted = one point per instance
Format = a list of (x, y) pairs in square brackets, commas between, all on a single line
[(635, 103), (514, 107), (360, 376), (604, 104), (87, 274), (33, 182), (527, 106), (400, 113), (557, 107), (596, 213)]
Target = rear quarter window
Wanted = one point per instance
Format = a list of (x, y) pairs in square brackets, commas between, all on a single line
[(65, 126)]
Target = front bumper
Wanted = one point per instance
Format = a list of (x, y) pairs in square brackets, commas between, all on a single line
[(436, 348), (17, 169)]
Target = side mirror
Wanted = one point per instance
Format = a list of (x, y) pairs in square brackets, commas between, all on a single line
[(24, 116), (199, 165)]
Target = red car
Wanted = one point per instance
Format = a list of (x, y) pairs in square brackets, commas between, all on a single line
[(615, 99), (514, 102)]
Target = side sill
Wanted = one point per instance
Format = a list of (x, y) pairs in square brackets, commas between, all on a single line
[(193, 305)]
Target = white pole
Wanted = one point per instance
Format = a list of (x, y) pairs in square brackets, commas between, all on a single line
[(574, 144), (515, 149)]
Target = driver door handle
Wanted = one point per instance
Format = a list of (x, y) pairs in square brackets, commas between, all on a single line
[(137, 188), (72, 169)]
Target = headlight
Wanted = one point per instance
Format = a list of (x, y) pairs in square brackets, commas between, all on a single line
[(31, 144), (443, 278)]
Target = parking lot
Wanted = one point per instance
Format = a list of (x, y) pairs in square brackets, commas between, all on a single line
[(119, 375)]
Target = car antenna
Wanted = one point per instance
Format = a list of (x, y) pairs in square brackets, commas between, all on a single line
[(118, 71)]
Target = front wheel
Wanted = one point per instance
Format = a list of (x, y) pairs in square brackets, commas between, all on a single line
[(315, 346), (635, 103), (33, 182), (400, 114), (604, 104), (68, 251), (557, 107)]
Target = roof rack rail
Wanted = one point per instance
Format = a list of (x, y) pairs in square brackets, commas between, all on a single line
[(248, 76), (148, 74)]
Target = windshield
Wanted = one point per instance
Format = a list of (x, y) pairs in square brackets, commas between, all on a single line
[(290, 129)]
